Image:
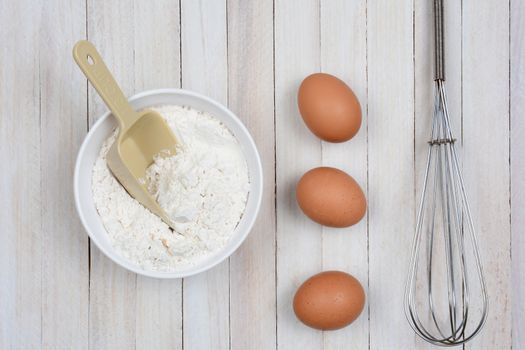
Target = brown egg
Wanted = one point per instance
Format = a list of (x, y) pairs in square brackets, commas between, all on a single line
[(329, 300), (331, 197), (329, 107)]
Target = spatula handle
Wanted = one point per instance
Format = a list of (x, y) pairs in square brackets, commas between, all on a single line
[(94, 68)]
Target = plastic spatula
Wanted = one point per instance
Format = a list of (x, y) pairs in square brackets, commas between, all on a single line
[(142, 135)]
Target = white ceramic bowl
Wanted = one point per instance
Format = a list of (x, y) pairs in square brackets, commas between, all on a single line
[(102, 129)]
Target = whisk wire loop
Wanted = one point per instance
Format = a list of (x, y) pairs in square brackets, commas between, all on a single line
[(443, 216)]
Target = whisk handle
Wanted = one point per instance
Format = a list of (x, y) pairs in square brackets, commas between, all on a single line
[(439, 40)]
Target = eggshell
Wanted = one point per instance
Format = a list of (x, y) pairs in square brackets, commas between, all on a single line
[(331, 197), (329, 300), (329, 107)]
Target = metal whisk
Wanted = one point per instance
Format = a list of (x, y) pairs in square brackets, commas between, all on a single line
[(444, 231)]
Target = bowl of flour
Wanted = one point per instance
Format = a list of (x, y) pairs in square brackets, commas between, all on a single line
[(211, 189)]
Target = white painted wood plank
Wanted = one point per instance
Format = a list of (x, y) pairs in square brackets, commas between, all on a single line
[(205, 70), (517, 152), (486, 155), (112, 313), (343, 54), (157, 65), (20, 206), (65, 270), (159, 314), (111, 304), (111, 29), (250, 81), (204, 48), (299, 246), (391, 168), (424, 106), (157, 44), (125, 310), (423, 112)]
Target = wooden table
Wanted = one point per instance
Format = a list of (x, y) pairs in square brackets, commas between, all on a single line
[(57, 291)]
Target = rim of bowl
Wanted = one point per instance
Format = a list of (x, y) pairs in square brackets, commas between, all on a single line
[(221, 254)]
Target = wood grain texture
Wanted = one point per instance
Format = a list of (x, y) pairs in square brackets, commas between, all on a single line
[(158, 321), (159, 314), (390, 168), (252, 267), (21, 197), (343, 54), (111, 29), (65, 270), (423, 111), (205, 70), (517, 161), (59, 292), (150, 312), (299, 245), (486, 155)]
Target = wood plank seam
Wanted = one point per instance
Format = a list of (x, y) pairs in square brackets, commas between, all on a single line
[(367, 182), (276, 241)]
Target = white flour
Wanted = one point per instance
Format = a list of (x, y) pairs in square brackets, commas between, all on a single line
[(203, 188)]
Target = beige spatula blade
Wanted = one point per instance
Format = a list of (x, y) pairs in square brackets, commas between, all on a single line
[(142, 136)]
